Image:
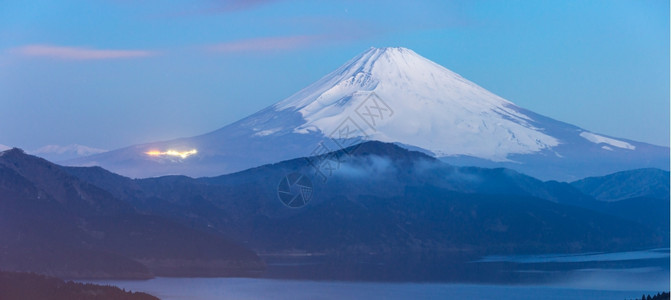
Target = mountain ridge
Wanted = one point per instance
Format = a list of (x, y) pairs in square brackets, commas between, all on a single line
[(53, 223), (637, 183), (384, 182)]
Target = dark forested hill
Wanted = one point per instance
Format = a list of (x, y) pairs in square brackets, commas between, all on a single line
[(29, 286), (54, 223), (381, 198)]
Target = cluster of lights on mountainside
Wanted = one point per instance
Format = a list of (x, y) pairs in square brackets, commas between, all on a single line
[(181, 154)]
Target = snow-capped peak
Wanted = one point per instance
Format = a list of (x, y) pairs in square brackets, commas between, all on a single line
[(392, 95), (436, 109)]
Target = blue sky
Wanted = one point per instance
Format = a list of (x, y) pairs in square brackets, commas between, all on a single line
[(111, 73)]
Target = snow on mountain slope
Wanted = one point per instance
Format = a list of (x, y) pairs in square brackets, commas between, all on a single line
[(431, 105), (392, 95), (597, 139)]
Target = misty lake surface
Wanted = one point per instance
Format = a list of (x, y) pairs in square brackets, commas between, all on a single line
[(622, 275)]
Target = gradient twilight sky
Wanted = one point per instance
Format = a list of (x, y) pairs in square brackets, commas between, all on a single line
[(112, 73)]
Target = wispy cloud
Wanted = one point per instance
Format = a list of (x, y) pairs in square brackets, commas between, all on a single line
[(78, 53), (235, 5), (212, 7), (267, 43)]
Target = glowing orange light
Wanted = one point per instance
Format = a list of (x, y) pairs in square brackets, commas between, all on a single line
[(182, 154)]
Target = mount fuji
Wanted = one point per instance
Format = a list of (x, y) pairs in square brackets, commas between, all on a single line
[(391, 95)]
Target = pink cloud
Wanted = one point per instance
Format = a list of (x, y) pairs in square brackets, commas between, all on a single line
[(267, 43), (235, 5), (212, 7), (78, 53)]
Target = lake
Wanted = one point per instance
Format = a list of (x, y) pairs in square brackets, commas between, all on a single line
[(622, 275)]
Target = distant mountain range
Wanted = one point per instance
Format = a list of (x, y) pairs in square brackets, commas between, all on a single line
[(392, 95), (385, 199), (57, 153), (379, 202), (650, 183)]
